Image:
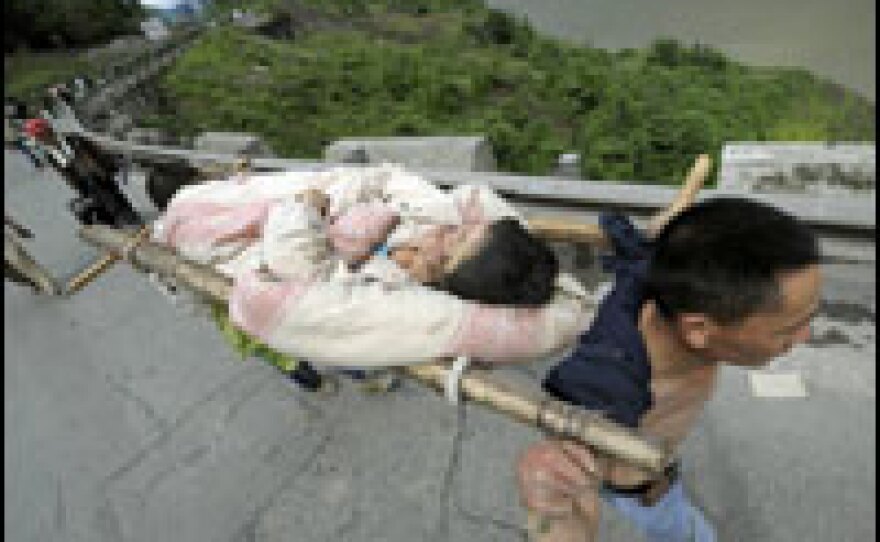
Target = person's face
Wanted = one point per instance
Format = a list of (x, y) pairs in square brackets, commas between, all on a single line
[(437, 252), (759, 338)]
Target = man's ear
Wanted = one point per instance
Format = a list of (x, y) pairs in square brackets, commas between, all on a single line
[(696, 329)]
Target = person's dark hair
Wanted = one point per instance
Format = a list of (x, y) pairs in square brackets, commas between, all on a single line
[(723, 257), (15, 109), (512, 267)]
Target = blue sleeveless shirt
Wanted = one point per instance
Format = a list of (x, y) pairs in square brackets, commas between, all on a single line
[(608, 370)]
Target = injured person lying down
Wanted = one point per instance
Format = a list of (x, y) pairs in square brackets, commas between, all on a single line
[(374, 266)]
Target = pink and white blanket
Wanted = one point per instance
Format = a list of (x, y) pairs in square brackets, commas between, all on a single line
[(310, 306)]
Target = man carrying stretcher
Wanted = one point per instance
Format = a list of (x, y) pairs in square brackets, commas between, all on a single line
[(726, 281)]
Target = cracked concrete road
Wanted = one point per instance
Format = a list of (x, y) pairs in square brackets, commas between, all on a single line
[(129, 420)]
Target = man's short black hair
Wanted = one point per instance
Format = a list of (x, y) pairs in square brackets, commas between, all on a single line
[(512, 267), (723, 257)]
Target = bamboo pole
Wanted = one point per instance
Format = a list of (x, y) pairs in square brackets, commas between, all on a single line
[(99, 266), (90, 273), (538, 410), (149, 257), (553, 229), (686, 196), (21, 266)]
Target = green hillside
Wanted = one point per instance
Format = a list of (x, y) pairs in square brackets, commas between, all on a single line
[(443, 67)]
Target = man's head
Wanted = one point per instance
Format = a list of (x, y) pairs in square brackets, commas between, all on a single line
[(739, 280), (495, 263)]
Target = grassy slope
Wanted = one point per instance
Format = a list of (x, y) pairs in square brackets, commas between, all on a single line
[(360, 68)]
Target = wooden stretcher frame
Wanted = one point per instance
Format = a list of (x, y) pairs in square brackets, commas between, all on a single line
[(100, 265), (533, 408), (27, 267)]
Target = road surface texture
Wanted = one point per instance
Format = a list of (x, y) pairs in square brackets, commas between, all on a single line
[(128, 419)]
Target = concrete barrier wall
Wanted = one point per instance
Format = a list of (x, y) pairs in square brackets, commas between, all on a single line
[(857, 217)]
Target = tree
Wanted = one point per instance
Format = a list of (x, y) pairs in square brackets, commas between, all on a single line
[(67, 23), (666, 52)]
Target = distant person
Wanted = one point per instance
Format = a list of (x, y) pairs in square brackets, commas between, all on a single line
[(77, 88), (87, 171), (727, 281), (15, 113)]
